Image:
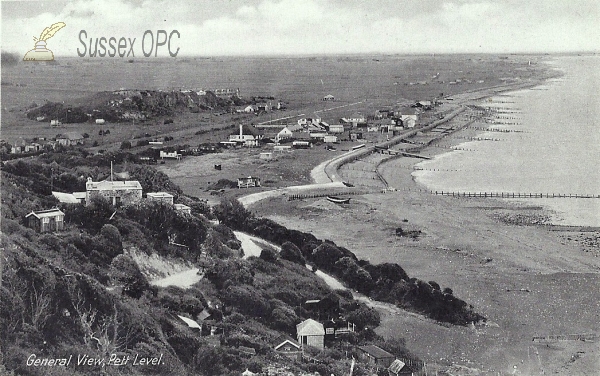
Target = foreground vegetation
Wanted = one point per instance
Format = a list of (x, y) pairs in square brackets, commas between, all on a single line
[(79, 292)]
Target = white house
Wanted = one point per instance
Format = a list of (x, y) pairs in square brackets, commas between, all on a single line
[(160, 196), (100, 121), (244, 139)]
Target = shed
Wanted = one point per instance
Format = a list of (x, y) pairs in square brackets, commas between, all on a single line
[(398, 368), (46, 220), (288, 347), (311, 333), (376, 356)]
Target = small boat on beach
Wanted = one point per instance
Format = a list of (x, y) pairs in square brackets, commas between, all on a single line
[(338, 200)]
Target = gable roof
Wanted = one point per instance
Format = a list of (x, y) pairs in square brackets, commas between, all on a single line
[(67, 198), (290, 341), (159, 195), (190, 323), (45, 213), (70, 136), (376, 352), (396, 366), (310, 327)]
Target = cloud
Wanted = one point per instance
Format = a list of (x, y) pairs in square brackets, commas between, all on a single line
[(318, 26)]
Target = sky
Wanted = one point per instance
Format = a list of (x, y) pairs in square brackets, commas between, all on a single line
[(308, 27)]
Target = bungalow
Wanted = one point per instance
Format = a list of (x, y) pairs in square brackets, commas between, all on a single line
[(311, 333), (160, 196), (46, 220), (289, 348), (250, 109), (70, 138), (329, 97), (118, 192), (375, 356), (173, 155), (248, 182), (181, 208)]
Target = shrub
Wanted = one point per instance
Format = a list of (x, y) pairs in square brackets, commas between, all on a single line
[(289, 251), (268, 255)]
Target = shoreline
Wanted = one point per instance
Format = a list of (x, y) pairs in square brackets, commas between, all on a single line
[(508, 271)]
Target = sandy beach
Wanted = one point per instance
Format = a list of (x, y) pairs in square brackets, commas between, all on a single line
[(528, 281)]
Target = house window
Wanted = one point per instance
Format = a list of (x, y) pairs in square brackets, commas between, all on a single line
[(59, 219), (45, 220)]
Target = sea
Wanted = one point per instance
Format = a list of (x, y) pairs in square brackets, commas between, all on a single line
[(555, 147)]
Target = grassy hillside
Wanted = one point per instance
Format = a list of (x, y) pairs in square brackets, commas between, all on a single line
[(78, 292)]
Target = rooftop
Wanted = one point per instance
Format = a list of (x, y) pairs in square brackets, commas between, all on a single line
[(310, 327), (107, 185), (46, 213), (376, 352)]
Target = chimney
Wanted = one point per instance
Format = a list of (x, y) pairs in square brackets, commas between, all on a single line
[(241, 130)]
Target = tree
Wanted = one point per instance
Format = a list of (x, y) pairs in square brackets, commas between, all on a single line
[(125, 145)]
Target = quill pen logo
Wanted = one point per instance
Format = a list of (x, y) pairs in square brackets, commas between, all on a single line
[(40, 52)]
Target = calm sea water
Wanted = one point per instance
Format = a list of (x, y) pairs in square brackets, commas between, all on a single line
[(559, 153)]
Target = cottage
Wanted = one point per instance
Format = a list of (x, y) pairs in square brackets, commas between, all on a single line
[(289, 348), (117, 192), (248, 182), (160, 196), (46, 220), (251, 109), (311, 333), (376, 356), (70, 139)]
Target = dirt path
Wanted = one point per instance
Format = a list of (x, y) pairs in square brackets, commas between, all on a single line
[(183, 279)]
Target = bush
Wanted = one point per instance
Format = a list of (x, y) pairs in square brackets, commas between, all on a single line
[(268, 255), (289, 251)]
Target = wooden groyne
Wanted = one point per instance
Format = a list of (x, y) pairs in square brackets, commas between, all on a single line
[(513, 195), (567, 337), (302, 196)]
